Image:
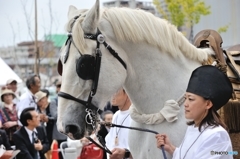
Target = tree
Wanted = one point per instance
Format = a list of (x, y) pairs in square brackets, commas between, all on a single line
[(42, 50), (182, 12), (223, 29)]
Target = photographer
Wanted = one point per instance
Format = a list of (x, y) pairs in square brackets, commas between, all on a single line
[(31, 139)]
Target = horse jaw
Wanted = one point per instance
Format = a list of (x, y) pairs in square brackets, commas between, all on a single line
[(90, 23)]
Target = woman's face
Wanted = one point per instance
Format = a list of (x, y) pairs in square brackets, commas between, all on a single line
[(196, 107), (43, 103), (8, 98)]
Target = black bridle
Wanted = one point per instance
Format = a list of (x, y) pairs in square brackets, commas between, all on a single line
[(91, 116)]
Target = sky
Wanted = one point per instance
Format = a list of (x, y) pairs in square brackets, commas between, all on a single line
[(14, 28)]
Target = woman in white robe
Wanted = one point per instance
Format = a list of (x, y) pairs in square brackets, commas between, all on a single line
[(206, 136)]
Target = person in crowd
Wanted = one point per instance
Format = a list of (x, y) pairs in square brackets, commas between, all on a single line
[(4, 142), (208, 90), (31, 139), (56, 134), (0, 121), (107, 117), (117, 138), (12, 85), (58, 86), (2, 89), (27, 99), (111, 107), (8, 114), (48, 117), (103, 131)]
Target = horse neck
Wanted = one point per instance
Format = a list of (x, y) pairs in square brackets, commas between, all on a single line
[(155, 76)]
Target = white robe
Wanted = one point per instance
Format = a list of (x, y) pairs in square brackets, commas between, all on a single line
[(119, 118), (212, 139)]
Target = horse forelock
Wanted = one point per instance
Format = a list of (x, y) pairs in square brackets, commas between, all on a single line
[(76, 30), (141, 26)]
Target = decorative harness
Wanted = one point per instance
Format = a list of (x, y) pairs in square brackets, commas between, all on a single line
[(82, 64)]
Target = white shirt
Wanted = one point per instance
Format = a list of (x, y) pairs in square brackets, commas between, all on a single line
[(26, 100), (211, 139), (119, 118), (30, 133)]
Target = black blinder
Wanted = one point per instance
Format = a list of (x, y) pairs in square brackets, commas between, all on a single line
[(85, 67), (59, 67)]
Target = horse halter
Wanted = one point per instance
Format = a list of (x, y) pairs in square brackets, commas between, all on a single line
[(88, 68)]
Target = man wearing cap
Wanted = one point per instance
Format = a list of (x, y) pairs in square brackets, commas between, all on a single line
[(28, 99), (208, 90), (12, 85)]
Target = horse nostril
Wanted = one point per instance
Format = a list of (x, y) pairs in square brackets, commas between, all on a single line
[(71, 129), (74, 131)]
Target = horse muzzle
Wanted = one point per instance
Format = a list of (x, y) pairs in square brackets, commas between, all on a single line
[(72, 122)]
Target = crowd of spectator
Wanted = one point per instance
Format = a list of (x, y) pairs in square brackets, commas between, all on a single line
[(28, 122)]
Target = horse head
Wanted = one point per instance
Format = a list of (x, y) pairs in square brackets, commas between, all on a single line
[(85, 87)]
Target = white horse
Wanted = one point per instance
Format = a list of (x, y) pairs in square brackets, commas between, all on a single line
[(159, 61)]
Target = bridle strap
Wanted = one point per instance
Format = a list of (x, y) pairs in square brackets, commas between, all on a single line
[(108, 47), (103, 146), (68, 96), (134, 128), (127, 127), (115, 54)]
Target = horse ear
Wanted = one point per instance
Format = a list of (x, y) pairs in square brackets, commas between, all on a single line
[(71, 11), (89, 24)]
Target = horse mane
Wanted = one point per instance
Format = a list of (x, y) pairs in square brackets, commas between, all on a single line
[(136, 25)]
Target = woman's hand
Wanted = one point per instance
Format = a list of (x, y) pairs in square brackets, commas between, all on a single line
[(9, 124), (163, 140)]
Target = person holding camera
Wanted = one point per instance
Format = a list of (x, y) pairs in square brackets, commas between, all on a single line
[(31, 139)]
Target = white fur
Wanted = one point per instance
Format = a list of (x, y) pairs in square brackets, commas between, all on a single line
[(159, 63)]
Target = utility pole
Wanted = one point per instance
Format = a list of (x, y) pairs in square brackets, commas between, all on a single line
[(36, 66)]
